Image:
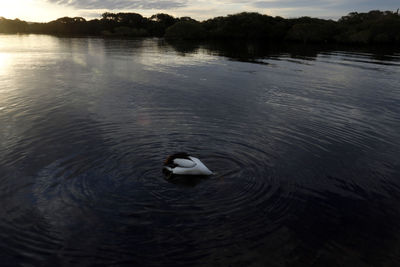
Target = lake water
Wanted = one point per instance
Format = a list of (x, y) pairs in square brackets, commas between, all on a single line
[(304, 142)]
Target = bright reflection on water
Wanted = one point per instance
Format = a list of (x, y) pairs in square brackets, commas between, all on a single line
[(304, 141)]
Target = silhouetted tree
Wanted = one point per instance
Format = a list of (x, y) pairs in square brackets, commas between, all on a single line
[(160, 22), (13, 26), (186, 30), (164, 19), (371, 27)]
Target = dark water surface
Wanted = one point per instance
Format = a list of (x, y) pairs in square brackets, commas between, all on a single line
[(305, 143)]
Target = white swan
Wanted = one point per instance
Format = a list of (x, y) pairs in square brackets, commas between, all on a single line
[(184, 164)]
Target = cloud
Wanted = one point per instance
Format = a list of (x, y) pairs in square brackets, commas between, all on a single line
[(290, 4), (121, 4), (205, 9), (327, 4)]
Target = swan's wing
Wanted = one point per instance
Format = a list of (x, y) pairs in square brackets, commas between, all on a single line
[(186, 171), (184, 163), (201, 167)]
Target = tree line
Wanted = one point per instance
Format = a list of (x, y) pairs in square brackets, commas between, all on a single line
[(355, 28)]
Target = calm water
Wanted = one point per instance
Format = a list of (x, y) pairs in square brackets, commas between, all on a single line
[(305, 143)]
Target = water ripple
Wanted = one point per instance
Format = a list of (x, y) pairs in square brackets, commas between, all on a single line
[(304, 151)]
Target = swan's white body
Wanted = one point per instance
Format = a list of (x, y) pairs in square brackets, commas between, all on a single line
[(190, 166)]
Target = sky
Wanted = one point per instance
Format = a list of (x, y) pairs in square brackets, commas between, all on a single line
[(47, 10)]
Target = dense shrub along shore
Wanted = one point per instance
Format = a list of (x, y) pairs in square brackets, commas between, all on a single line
[(374, 27)]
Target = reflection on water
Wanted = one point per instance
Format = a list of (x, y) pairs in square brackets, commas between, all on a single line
[(255, 51), (304, 142)]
